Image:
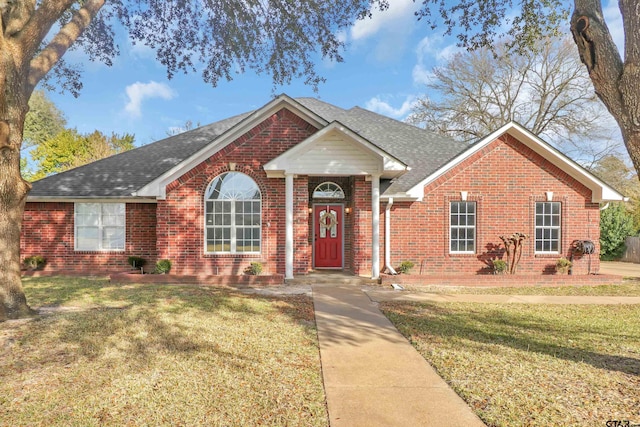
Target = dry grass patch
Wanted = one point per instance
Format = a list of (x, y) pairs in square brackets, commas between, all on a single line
[(532, 365), (629, 288), (160, 355)]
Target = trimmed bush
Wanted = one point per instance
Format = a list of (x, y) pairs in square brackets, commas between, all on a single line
[(136, 261), (405, 267), (35, 262), (163, 266), (254, 269)]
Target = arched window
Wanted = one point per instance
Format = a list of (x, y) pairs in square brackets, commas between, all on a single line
[(328, 190), (232, 214)]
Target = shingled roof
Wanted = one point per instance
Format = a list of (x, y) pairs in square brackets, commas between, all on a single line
[(120, 176)]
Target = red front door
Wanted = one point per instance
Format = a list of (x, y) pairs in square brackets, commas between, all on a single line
[(327, 223)]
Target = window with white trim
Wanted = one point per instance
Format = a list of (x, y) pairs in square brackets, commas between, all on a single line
[(548, 227), (328, 190), (99, 226), (462, 228), (232, 214)]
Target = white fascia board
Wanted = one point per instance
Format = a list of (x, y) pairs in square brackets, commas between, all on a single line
[(278, 166), (600, 192), (157, 187), (91, 199)]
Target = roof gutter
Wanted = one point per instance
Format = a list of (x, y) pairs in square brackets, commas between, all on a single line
[(387, 238)]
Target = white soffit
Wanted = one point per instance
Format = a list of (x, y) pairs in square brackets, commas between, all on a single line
[(335, 150)]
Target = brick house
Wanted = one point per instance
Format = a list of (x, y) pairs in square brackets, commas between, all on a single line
[(300, 184)]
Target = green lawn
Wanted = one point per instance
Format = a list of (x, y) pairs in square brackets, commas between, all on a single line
[(159, 355), (532, 365)]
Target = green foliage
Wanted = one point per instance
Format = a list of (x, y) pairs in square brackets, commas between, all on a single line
[(405, 267), (163, 266), (563, 265), (615, 225), (136, 261), (499, 266), (35, 262), (254, 269), (69, 149), (43, 121)]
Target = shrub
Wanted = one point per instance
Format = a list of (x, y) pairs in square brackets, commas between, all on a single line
[(254, 269), (499, 266), (163, 266), (615, 225), (405, 267), (136, 261), (563, 265), (35, 262)]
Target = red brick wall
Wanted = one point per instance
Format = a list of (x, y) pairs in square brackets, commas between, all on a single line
[(181, 215), (505, 179), (48, 230)]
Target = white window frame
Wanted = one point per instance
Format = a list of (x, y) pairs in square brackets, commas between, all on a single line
[(100, 227), (464, 227), (547, 227), (337, 191), (232, 226)]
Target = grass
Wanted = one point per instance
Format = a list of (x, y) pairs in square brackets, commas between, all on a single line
[(532, 365), (159, 355), (627, 288)]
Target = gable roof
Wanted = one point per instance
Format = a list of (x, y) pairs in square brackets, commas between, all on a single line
[(600, 191), (145, 171)]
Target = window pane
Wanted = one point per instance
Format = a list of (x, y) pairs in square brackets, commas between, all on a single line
[(113, 238), (88, 238)]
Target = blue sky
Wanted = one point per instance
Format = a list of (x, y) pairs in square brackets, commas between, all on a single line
[(387, 61)]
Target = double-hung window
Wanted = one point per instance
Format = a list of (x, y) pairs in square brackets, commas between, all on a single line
[(462, 228), (99, 226), (548, 227), (232, 214)]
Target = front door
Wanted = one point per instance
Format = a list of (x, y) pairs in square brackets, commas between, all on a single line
[(327, 224)]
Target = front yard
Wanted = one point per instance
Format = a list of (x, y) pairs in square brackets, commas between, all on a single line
[(159, 355), (532, 365)]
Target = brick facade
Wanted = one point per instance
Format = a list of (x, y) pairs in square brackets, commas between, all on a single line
[(505, 178)]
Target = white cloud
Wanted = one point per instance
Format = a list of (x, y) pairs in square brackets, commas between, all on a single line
[(138, 92), (393, 26), (430, 52), (381, 106)]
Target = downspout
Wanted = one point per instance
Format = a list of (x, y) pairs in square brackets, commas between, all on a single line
[(387, 237)]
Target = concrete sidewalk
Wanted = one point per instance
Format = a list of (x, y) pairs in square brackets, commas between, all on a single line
[(372, 375), (379, 295)]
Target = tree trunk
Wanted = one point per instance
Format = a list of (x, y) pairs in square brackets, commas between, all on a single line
[(13, 189), (615, 80)]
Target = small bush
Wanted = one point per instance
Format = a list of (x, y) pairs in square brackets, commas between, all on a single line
[(405, 267), (35, 262), (136, 261), (254, 269), (163, 266), (499, 266), (563, 265)]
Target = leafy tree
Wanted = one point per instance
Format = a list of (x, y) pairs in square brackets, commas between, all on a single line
[(43, 121), (546, 89), (214, 38), (612, 170), (615, 79), (69, 149), (615, 225)]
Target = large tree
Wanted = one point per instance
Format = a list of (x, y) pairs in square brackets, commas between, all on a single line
[(545, 89), (213, 37), (614, 77)]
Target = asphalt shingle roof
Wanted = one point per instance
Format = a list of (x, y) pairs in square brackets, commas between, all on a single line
[(125, 173)]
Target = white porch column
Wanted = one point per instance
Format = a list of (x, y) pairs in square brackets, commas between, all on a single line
[(375, 225), (288, 246)]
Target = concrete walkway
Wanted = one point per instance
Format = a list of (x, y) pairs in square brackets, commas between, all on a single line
[(372, 375)]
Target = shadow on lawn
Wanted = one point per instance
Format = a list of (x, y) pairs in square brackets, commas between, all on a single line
[(141, 320), (521, 331)]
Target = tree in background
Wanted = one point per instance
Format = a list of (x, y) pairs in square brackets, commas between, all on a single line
[(70, 149), (482, 23), (213, 38), (547, 90), (615, 225), (614, 171)]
